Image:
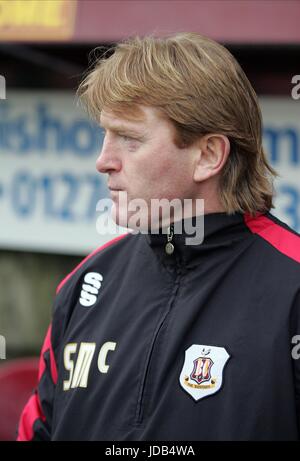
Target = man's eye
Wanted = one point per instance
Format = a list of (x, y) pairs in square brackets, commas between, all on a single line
[(126, 138)]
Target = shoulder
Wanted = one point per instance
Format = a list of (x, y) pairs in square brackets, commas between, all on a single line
[(275, 233), (69, 289), (89, 261)]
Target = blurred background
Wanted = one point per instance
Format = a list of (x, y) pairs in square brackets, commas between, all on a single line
[(49, 186)]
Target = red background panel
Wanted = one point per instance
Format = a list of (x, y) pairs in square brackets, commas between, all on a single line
[(233, 21)]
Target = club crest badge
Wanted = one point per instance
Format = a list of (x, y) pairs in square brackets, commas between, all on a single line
[(203, 369)]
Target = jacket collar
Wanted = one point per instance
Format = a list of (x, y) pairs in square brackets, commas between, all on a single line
[(219, 230)]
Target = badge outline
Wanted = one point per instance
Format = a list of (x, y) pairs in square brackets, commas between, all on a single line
[(227, 349)]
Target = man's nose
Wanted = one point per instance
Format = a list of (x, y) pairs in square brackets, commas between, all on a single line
[(108, 160)]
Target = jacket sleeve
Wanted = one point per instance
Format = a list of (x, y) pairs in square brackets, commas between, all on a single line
[(36, 418)]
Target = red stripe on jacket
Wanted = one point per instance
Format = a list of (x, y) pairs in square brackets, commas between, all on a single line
[(282, 239), (31, 413), (47, 346), (107, 244), (33, 409)]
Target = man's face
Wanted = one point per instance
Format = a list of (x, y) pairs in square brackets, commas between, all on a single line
[(141, 159)]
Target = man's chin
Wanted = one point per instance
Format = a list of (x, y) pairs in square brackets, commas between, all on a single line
[(119, 216), (137, 222)]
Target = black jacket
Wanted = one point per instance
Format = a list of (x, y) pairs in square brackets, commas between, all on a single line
[(196, 345)]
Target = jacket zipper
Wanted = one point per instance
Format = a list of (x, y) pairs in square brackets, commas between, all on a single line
[(169, 249)]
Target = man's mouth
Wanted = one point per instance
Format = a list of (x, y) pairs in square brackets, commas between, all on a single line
[(115, 191), (114, 188)]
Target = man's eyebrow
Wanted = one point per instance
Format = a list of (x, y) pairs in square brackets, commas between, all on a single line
[(123, 129), (120, 128)]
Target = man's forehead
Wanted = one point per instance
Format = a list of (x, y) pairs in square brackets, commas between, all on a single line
[(145, 116)]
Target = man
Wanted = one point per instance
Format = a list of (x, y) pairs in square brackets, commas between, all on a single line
[(152, 338)]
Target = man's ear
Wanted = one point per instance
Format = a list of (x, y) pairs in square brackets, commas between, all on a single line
[(211, 155)]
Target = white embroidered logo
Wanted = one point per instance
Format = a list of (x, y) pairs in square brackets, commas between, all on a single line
[(202, 372), (90, 289)]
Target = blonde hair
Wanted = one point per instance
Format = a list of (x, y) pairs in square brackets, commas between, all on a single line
[(199, 86)]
